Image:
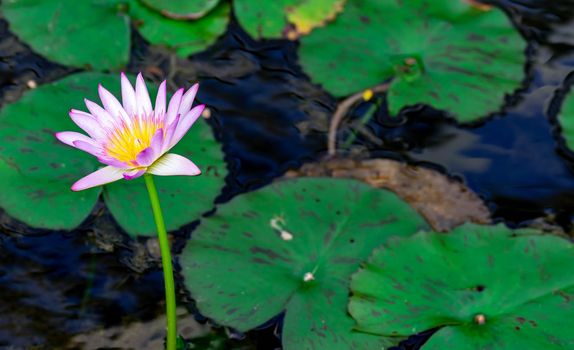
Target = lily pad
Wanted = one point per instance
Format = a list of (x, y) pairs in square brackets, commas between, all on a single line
[(37, 170), (566, 120), (185, 37), (486, 287), (292, 246), (183, 198), (272, 19), (449, 54), (182, 9), (60, 29)]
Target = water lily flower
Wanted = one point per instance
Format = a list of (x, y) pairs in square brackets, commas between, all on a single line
[(131, 138)]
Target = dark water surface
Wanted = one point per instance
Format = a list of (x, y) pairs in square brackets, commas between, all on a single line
[(270, 118)]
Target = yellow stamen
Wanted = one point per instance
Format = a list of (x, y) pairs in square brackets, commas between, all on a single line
[(125, 144)]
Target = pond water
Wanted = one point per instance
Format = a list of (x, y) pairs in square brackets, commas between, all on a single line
[(74, 290)]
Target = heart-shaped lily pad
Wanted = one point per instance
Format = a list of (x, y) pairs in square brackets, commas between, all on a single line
[(292, 246), (272, 19), (61, 29), (487, 287), (182, 9), (37, 170), (185, 37), (449, 54)]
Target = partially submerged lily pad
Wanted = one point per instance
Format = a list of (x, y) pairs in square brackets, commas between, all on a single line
[(444, 202), (37, 170), (182, 9), (292, 246), (449, 54), (486, 287), (71, 32), (273, 19)]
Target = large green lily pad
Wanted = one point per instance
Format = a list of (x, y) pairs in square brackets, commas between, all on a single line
[(449, 54), (292, 246), (61, 29), (37, 170), (182, 9), (185, 37), (487, 287), (272, 19)]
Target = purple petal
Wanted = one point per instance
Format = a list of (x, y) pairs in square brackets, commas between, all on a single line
[(89, 147), (112, 105), (113, 162), (88, 123), (173, 164), (173, 107), (68, 137), (100, 115), (150, 154), (133, 174), (128, 96), (98, 177), (185, 123), (146, 157), (187, 99), (160, 101), (142, 97), (169, 134)]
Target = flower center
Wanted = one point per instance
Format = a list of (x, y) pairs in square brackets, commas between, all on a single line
[(126, 143)]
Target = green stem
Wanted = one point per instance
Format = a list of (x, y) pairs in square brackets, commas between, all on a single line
[(166, 263)]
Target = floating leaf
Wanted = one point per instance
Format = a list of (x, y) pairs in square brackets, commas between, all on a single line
[(292, 246), (487, 287), (183, 198), (37, 170), (182, 9), (270, 19), (566, 120), (186, 37), (445, 53), (61, 29)]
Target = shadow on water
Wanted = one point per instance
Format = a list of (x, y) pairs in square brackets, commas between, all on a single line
[(270, 118)]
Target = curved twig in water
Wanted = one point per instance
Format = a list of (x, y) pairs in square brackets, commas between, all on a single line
[(342, 110)]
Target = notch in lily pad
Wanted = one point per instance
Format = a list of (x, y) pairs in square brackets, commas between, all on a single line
[(292, 247), (450, 54), (483, 287)]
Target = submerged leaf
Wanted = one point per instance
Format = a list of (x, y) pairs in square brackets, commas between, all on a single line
[(486, 287), (292, 246), (444, 53)]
